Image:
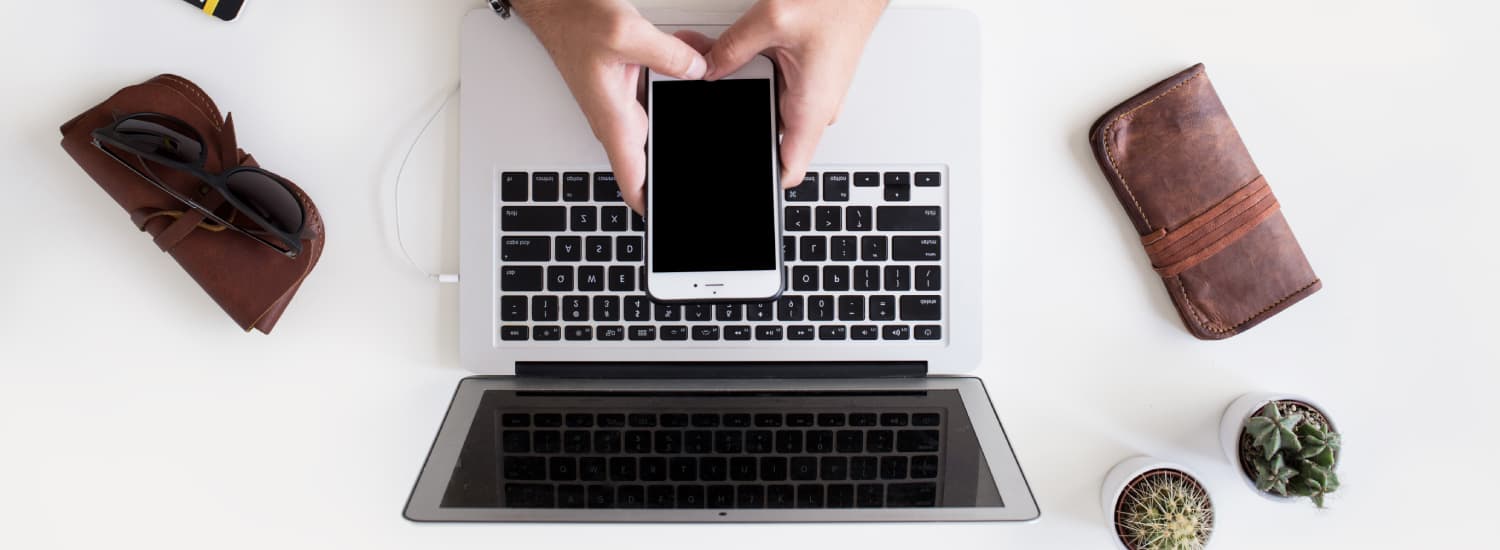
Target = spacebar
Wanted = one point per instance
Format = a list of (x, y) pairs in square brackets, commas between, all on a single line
[(533, 218), (909, 218)]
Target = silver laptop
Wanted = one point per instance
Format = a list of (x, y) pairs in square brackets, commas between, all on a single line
[(839, 401)]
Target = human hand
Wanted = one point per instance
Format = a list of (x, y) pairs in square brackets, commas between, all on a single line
[(816, 45), (599, 46)]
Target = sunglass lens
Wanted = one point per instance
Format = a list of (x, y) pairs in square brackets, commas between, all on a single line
[(162, 136), (268, 198)]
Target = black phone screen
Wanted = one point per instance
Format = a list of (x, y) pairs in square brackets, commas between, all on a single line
[(713, 181)]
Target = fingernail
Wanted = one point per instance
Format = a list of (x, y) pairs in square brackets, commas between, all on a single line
[(698, 70)]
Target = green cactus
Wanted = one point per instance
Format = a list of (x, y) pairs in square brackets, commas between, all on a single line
[(1165, 511), (1293, 455)]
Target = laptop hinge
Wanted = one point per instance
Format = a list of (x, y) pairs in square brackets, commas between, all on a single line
[(684, 370)]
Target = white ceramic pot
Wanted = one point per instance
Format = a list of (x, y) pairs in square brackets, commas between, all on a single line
[(1233, 422), (1125, 472)]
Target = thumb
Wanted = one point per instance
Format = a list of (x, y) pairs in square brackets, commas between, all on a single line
[(663, 53), (738, 44)]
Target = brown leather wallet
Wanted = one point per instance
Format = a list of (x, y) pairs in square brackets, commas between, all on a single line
[(1206, 216), (253, 283)]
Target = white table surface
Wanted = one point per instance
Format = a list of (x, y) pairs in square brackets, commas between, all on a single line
[(134, 414)]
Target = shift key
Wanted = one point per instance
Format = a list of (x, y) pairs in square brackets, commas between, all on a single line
[(909, 218), (533, 218)]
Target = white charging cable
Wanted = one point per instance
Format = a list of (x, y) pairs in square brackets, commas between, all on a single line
[(444, 278)]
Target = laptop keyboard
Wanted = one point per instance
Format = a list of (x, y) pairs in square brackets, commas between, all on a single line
[(697, 459), (863, 249)]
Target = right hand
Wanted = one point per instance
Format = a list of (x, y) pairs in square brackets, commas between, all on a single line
[(599, 46)]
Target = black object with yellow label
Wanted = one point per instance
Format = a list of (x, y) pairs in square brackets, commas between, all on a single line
[(222, 9)]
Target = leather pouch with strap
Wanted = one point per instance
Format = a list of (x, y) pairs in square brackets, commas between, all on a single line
[(249, 281), (1211, 226)]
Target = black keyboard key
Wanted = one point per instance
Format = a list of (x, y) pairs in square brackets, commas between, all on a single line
[(514, 187), (869, 496), (621, 278), (896, 332), (820, 308), (637, 308), (533, 218), (750, 496), (674, 332), (720, 496), (681, 469), (879, 441), (515, 333), (515, 441), (569, 249), (606, 441), (576, 441), (866, 179), (807, 191), (841, 496), (668, 442), (525, 249), (605, 188), (661, 496), (513, 308), (614, 218), (698, 442), (544, 187), (727, 312), (924, 467), (591, 278), (928, 332), (768, 420), (642, 334), (897, 186), (893, 419), (788, 249), (916, 249), (799, 420), (689, 496), (873, 249), (705, 420), (866, 278), (713, 468), (571, 496), (546, 441), (836, 278), (843, 249), (601, 496), (829, 218), (515, 420), (521, 279), (909, 218), (606, 308), (548, 420), (814, 249), (820, 441), (758, 441), (529, 495), (630, 496), (864, 332), (831, 419), (668, 312), (917, 441), (592, 468), (781, 496), (562, 468), (559, 279), (640, 420), (598, 249), (833, 468), (864, 467), (792, 308), (638, 442), (773, 468), (804, 278), (622, 468), (836, 186), (768, 333), (926, 419), (637, 222), (929, 179), (929, 278), (575, 187), (737, 332), (546, 333), (788, 442), (629, 249), (858, 218), (737, 420), (653, 468), (833, 332), (611, 420), (525, 468), (798, 218), (742, 468), (851, 308), (897, 278), (575, 309), (921, 308), (892, 467), (912, 495), (728, 441), (809, 496), (699, 313), (863, 419), (704, 333), (584, 218), (800, 332)]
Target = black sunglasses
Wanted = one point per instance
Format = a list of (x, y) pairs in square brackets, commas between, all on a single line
[(266, 199)]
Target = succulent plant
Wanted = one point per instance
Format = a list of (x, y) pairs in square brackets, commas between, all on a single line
[(1165, 510), (1293, 454)]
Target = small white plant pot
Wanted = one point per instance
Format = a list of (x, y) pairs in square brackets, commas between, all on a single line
[(1120, 477), (1233, 423)]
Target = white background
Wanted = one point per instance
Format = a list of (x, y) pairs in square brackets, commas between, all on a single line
[(134, 414)]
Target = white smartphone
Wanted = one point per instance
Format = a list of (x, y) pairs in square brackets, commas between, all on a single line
[(713, 190)]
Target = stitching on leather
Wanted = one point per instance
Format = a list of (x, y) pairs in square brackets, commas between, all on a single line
[(198, 108), (1109, 130), (1276, 303), (202, 98), (1210, 326)]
